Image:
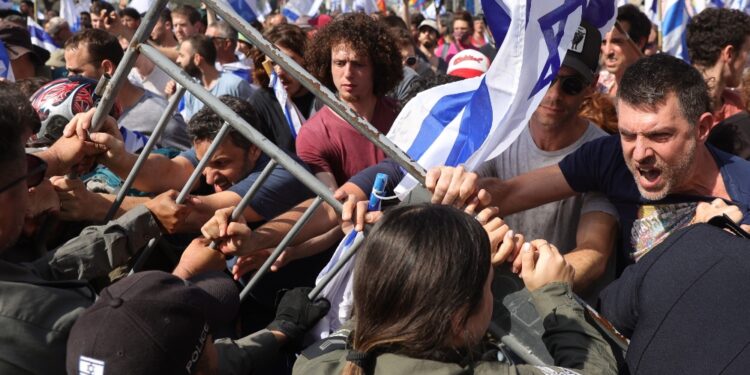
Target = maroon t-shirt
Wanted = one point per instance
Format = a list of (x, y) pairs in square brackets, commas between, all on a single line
[(327, 143)]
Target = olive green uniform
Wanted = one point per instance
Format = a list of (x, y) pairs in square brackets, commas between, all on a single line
[(573, 343)]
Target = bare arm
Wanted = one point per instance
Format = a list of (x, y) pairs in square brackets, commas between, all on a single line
[(157, 174), (323, 220), (328, 180), (529, 190), (209, 204), (595, 239)]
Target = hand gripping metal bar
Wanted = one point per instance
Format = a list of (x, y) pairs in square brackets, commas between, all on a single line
[(240, 208), (280, 248), (223, 131), (155, 136)]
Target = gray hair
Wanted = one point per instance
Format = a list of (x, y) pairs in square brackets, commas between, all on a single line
[(55, 24), (224, 30)]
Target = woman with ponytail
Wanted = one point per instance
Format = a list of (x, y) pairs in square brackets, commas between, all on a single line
[(423, 302)]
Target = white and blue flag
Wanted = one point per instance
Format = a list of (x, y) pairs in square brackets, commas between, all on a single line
[(473, 120), (251, 10), (6, 4), (291, 113), (743, 5), (673, 28), (294, 9), (39, 37), (6, 72), (653, 11), (70, 10)]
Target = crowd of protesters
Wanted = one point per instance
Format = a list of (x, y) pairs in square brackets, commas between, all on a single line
[(613, 191)]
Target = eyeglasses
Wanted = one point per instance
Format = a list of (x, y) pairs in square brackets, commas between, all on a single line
[(221, 39), (410, 61), (571, 85), (35, 168)]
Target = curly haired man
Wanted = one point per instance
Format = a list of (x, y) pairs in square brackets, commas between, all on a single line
[(356, 57)]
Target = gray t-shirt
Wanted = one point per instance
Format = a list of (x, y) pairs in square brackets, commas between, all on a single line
[(555, 222), (227, 84), (144, 116)]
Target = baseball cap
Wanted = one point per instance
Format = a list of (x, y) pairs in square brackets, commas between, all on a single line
[(320, 21), (429, 23), (583, 54), (17, 42), (468, 63), (151, 323)]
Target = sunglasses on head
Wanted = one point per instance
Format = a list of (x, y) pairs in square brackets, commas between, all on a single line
[(571, 85), (35, 168)]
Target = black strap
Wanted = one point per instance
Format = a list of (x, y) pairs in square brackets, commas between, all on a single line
[(361, 359)]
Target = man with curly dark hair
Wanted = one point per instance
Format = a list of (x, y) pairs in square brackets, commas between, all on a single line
[(718, 41), (356, 57)]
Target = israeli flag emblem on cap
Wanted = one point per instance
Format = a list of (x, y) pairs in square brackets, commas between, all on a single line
[(90, 366)]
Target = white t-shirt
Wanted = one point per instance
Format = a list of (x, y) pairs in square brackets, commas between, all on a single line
[(556, 222)]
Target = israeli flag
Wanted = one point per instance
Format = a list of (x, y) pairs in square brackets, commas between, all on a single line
[(743, 5), (652, 10), (39, 37), (6, 71), (6, 4), (292, 115), (70, 10), (134, 141), (294, 9), (250, 10), (339, 290), (473, 120), (674, 27)]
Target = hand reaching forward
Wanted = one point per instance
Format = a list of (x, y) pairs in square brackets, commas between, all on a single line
[(542, 264)]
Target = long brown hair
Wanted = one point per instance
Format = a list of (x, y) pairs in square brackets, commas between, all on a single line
[(421, 265)]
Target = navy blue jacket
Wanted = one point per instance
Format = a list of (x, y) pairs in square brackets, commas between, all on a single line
[(686, 305)]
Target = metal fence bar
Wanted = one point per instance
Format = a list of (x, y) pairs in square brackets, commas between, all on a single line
[(223, 131), (158, 130), (265, 145), (126, 64), (280, 248), (237, 212), (514, 345), (323, 93), (330, 275)]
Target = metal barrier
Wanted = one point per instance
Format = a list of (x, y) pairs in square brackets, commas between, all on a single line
[(137, 45)]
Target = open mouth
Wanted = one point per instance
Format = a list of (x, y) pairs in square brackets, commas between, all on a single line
[(649, 177)]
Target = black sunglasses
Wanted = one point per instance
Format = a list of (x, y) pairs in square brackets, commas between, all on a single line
[(410, 61), (35, 168), (571, 85)]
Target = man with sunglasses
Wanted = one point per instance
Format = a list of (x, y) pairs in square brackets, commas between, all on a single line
[(225, 41), (583, 226)]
